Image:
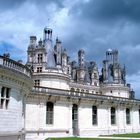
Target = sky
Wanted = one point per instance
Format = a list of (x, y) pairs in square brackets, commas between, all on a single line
[(92, 25)]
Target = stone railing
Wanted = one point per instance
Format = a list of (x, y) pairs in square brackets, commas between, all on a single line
[(11, 64), (75, 94)]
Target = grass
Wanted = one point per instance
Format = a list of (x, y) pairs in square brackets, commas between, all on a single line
[(81, 139), (130, 135)]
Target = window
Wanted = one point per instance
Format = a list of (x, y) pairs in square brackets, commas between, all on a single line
[(95, 75), (49, 113), (82, 90), (75, 112), (4, 97), (94, 115), (87, 91), (72, 90), (113, 115), (95, 84), (77, 90), (40, 58), (139, 116), (37, 83), (39, 69), (128, 116)]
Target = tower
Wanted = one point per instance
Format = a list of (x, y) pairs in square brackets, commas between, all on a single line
[(109, 55), (81, 58), (94, 74), (115, 56), (31, 49), (112, 71), (81, 69), (47, 33), (73, 71), (64, 61), (49, 49), (58, 52), (105, 71)]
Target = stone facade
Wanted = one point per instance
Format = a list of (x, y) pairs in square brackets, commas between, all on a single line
[(68, 98), (15, 85)]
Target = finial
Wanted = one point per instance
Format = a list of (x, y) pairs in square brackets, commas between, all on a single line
[(57, 39), (48, 22)]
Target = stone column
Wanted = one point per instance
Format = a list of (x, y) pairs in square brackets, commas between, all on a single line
[(70, 119), (0, 90), (118, 118)]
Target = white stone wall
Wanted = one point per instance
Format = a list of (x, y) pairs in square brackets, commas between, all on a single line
[(104, 126), (54, 83), (63, 120), (36, 120), (12, 118)]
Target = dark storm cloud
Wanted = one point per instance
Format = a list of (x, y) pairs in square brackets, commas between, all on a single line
[(108, 10), (110, 24)]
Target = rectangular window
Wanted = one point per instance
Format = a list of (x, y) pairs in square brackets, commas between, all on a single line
[(94, 115), (113, 115), (95, 75), (49, 113), (40, 58), (4, 97), (36, 82), (128, 116), (139, 116), (39, 69)]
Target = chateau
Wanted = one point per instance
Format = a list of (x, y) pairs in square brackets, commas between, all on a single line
[(52, 96)]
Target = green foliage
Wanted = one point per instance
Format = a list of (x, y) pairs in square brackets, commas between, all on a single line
[(130, 135)]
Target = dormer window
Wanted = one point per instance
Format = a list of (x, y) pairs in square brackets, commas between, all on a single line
[(95, 75), (39, 69), (40, 58), (36, 82)]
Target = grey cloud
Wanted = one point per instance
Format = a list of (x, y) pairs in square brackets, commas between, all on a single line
[(10, 4), (105, 10), (13, 4)]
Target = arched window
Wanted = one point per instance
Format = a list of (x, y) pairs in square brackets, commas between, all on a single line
[(113, 115), (72, 91), (82, 90), (77, 90), (49, 113), (94, 115), (87, 91), (128, 116)]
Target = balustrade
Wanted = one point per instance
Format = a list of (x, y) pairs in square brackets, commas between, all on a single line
[(69, 93), (9, 63)]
